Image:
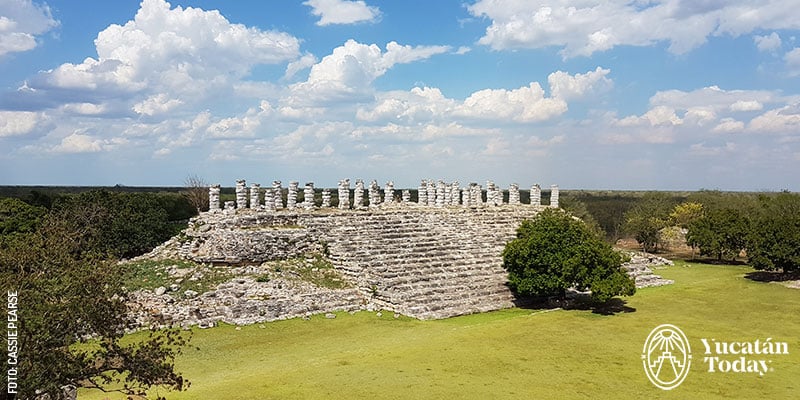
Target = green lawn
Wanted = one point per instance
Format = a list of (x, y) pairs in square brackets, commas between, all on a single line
[(514, 353)]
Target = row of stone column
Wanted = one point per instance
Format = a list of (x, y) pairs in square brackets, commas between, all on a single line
[(430, 193)]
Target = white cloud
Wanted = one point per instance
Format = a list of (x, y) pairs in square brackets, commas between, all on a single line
[(84, 108), (419, 104), (700, 149), (792, 59), (781, 120), (497, 146), (568, 87), (657, 116), (342, 11), (729, 125), (21, 21), (463, 50), (187, 54), (82, 143), (771, 42), (585, 27), (525, 104), (157, 104), (16, 123), (747, 105), (350, 69), (306, 61)]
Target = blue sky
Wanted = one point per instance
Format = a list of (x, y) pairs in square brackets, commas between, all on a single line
[(642, 94)]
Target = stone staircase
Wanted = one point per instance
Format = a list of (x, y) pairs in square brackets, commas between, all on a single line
[(433, 264)]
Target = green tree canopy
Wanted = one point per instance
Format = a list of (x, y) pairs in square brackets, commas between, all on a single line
[(73, 313), (647, 218), (120, 225), (555, 252), (774, 240)]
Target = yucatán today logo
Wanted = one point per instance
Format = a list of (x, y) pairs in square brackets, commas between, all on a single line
[(667, 356)]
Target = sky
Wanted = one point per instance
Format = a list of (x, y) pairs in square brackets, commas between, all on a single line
[(627, 95)]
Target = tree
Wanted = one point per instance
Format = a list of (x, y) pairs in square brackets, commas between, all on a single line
[(719, 233), (647, 218), (774, 240), (72, 313), (16, 216), (555, 252), (683, 214), (197, 192), (115, 225)]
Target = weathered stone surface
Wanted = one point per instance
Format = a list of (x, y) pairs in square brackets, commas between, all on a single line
[(641, 266), (426, 261)]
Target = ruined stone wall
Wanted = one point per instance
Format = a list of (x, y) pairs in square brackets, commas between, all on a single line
[(418, 261), (435, 258)]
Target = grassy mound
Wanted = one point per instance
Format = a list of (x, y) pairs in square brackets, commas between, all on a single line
[(516, 353)]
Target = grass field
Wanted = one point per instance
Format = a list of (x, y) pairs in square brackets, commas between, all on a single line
[(516, 353)]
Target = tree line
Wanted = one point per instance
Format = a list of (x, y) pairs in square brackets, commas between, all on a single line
[(764, 228)]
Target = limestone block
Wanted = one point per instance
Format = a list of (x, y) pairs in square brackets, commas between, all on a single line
[(513, 194), (255, 194), (241, 194), (358, 195), (213, 198), (554, 196), (326, 198), (536, 195), (308, 196), (277, 194), (291, 198)]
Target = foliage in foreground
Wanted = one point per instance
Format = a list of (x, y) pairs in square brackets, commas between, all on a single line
[(555, 252), (72, 306)]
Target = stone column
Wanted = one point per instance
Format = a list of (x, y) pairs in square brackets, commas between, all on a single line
[(291, 198), (326, 198), (255, 192), (440, 193), (308, 196), (241, 194), (431, 193), (455, 193), (554, 196), (344, 194), (358, 195), (388, 193), (536, 195), (422, 193), (491, 193), (406, 196), (269, 199), (513, 194), (374, 194), (277, 194), (465, 198), (479, 195), (213, 198)]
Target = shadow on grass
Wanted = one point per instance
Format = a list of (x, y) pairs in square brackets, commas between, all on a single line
[(772, 276), (574, 301), (714, 261)]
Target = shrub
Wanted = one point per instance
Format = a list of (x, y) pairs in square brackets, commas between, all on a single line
[(555, 252)]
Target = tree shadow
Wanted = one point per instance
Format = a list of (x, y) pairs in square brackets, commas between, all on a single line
[(573, 301), (772, 276)]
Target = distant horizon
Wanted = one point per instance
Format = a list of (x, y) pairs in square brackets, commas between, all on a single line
[(284, 185), (655, 95)]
